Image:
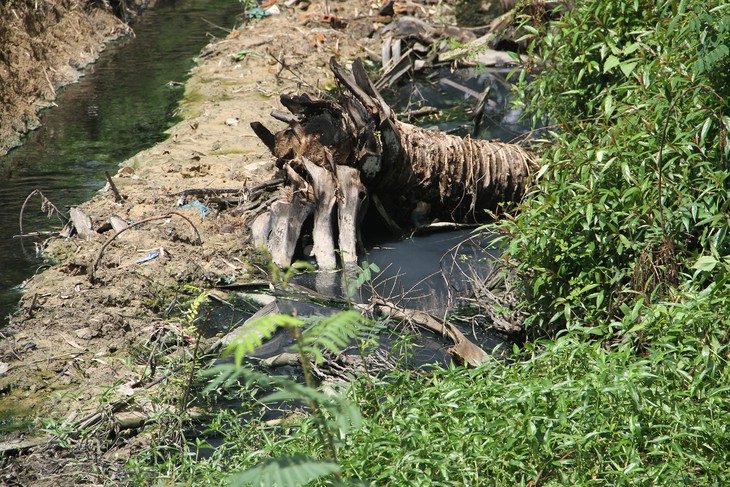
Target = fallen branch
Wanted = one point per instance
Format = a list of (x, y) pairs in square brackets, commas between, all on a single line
[(421, 112), (198, 240), (248, 192), (46, 206), (464, 351)]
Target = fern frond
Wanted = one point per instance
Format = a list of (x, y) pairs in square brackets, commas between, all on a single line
[(254, 333), (192, 313), (334, 333), (223, 376), (345, 415), (285, 471)]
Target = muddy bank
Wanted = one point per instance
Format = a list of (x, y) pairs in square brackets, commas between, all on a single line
[(43, 46)]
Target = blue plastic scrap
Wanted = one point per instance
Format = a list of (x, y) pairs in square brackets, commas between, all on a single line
[(257, 13), (150, 256), (202, 209)]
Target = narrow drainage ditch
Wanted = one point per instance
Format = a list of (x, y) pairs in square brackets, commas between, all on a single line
[(122, 105)]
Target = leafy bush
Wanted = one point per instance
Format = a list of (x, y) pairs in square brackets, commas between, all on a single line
[(634, 186)]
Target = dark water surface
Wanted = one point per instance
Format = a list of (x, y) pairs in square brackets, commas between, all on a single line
[(122, 105)]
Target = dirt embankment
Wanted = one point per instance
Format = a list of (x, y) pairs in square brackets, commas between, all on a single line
[(70, 332), (43, 46)]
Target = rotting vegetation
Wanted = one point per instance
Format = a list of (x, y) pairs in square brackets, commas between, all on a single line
[(339, 154), (621, 255)]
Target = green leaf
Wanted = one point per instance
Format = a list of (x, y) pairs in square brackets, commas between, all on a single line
[(608, 105), (589, 213), (335, 332), (705, 129), (705, 263), (254, 333), (628, 67), (611, 62), (285, 471)]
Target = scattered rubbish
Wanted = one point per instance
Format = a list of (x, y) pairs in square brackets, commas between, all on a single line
[(202, 209), (257, 13), (148, 257), (232, 122), (165, 216), (4, 367)]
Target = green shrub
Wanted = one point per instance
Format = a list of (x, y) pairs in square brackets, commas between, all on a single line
[(633, 190)]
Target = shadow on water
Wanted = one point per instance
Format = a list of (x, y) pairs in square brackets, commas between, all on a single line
[(122, 105)]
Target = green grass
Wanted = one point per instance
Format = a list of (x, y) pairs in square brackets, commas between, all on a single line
[(569, 412)]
